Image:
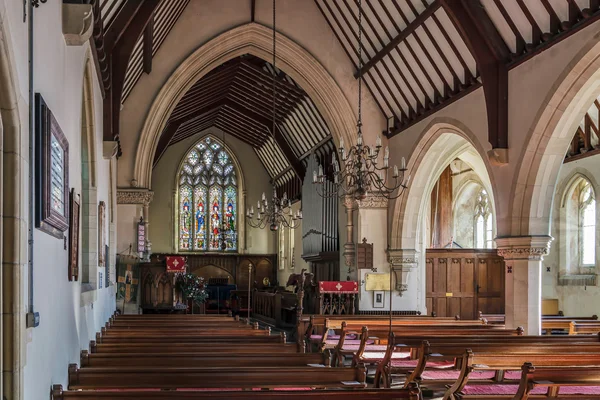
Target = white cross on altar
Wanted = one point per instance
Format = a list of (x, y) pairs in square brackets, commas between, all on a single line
[(338, 286)]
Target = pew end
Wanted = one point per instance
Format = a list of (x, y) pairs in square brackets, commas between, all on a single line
[(93, 348), (98, 337), (73, 376), (84, 358), (56, 393)]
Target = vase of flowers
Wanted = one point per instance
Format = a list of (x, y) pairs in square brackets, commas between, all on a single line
[(192, 289)]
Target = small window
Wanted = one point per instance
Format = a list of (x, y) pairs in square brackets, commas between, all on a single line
[(587, 223), (484, 237)]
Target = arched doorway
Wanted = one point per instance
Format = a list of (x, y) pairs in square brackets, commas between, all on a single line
[(450, 278)]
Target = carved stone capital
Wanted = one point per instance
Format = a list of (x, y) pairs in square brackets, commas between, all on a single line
[(373, 201), (399, 257), (134, 196), (532, 248)]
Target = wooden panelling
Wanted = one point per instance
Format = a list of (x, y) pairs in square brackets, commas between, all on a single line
[(463, 282)]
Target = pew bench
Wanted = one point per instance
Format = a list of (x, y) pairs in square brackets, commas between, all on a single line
[(412, 393), (208, 347), (563, 382), (214, 359), (215, 338), (472, 363), (439, 362), (584, 328), (116, 377)]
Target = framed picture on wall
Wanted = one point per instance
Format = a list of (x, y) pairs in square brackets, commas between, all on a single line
[(51, 172), (378, 299), (73, 236)]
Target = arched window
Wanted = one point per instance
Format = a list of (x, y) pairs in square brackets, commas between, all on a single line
[(586, 214), (207, 199), (483, 222)]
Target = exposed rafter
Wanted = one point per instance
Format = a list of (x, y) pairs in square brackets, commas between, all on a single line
[(120, 39), (147, 51), (491, 53)]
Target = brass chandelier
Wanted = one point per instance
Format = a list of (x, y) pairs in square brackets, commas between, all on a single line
[(363, 170), (272, 213)]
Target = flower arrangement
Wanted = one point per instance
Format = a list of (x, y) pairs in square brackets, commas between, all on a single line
[(191, 287)]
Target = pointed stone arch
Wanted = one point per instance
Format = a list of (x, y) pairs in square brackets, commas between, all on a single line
[(549, 137), (252, 39)]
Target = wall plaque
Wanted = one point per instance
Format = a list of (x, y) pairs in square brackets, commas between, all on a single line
[(364, 255)]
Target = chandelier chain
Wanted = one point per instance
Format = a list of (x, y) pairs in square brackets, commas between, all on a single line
[(360, 67), (274, 73)]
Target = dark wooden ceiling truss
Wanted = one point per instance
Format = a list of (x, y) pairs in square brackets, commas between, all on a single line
[(237, 98), (421, 55), (126, 35), (586, 141)]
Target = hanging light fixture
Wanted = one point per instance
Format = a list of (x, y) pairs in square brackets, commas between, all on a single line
[(273, 213), (363, 170)]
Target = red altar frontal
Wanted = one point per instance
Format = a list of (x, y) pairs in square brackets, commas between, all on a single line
[(337, 297)]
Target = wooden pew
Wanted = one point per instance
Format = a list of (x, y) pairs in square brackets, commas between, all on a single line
[(412, 393), (472, 362), (374, 353), (222, 337), (214, 359), (455, 345), (492, 318), (584, 328), (236, 377), (444, 355), (559, 380), (354, 327), (159, 347)]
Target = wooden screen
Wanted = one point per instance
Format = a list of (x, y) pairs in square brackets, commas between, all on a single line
[(463, 282)]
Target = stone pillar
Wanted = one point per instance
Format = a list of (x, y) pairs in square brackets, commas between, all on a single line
[(142, 199), (523, 284), (372, 225), (349, 246)]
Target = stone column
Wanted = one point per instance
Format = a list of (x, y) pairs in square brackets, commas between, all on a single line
[(372, 225), (349, 246), (523, 284), (141, 198)]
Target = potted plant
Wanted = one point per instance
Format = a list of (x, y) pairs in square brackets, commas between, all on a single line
[(192, 289)]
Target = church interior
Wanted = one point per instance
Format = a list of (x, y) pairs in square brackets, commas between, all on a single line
[(303, 199)]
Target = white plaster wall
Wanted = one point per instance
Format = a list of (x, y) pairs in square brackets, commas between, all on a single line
[(572, 300), (216, 17), (68, 319), (162, 212)]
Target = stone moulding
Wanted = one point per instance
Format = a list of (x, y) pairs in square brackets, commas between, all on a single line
[(532, 248), (135, 196), (373, 201), (402, 263)]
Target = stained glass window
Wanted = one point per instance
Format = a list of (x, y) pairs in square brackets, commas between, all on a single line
[(208, 199), (587, 222)]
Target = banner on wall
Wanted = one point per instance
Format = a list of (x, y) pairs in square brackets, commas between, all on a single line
[(176, 263)]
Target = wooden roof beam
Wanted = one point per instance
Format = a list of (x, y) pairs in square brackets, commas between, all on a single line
[(147, 49), (277, 135), (491, 53), (410, 28)]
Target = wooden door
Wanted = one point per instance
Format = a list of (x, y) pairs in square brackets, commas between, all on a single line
[(464, 282), (450, 287), (490, 285)]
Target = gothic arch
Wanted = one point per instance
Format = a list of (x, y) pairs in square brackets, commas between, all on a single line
[(441, 142), (549, 138), (89, 194), (252, 39)]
